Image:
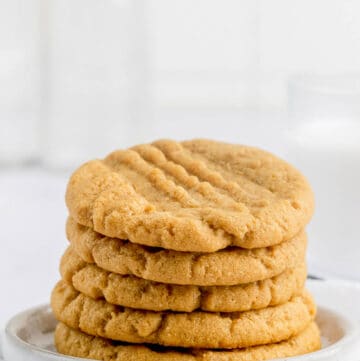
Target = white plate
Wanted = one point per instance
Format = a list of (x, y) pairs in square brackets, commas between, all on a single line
[(29, 335)]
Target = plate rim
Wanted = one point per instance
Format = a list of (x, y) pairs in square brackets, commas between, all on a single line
[(352, 327)]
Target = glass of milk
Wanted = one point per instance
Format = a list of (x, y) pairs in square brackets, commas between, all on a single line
[(324, 143)]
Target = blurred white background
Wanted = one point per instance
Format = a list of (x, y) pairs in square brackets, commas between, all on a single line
[(79, 78)]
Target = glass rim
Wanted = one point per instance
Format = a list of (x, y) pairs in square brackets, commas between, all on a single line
[(322, 83)]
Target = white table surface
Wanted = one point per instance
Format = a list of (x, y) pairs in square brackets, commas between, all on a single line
[(32, 216)]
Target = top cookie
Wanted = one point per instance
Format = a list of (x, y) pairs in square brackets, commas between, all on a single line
[(194, 196)]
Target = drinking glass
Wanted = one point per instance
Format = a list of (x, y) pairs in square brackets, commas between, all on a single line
[(324, 143)]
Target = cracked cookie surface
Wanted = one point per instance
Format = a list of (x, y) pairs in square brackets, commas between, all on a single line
[(194, 196), (196, 329), (134, 292), (230, 266), (76, 343)]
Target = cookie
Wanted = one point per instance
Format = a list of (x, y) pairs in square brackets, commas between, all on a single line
[(134, 292), (196, 329), (76, 343), (226, 267), (193, 196)]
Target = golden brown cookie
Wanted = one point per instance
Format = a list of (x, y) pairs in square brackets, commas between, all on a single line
[(195, 329), (226, 267), (76, 343), (195, 196), (134, 292)]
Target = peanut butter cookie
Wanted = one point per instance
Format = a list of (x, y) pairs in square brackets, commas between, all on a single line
[(196, 329), (134, 292), (76, 343), (193, 196), (227, 267)]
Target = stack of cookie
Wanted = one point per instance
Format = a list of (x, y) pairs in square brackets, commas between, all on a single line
[(186, 251)]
